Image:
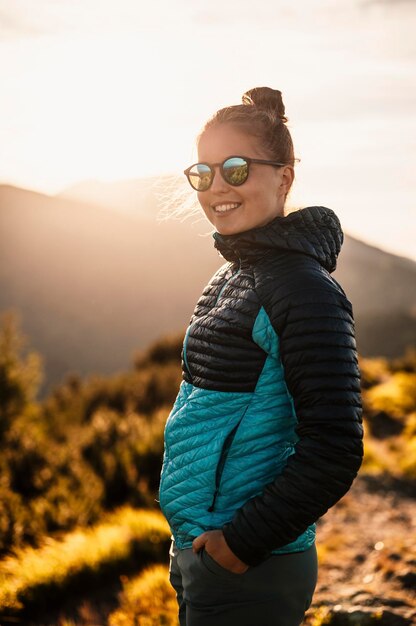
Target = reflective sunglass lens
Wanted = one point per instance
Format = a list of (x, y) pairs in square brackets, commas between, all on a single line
[(200, 176), (235, 170)]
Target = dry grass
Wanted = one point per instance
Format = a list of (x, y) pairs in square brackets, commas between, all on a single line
[(32, 571), (395, 396), (147, 600), (395, 456), (374, 370)]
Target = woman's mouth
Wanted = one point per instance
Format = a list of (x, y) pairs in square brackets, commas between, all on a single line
[(226, 207)]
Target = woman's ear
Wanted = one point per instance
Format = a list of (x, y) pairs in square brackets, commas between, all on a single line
[(286, 180), (289, 176)]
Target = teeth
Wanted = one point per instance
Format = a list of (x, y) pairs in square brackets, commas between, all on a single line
[(226, 207)]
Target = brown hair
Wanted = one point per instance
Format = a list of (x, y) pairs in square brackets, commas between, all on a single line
[(262, 115)]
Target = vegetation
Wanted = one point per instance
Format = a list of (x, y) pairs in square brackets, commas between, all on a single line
[(90, 447), (389, 398), (326, 616), (31, 574), (147, 600), (79, 472)]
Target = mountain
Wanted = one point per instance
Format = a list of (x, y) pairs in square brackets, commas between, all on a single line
[(137, 196), (94, 284)]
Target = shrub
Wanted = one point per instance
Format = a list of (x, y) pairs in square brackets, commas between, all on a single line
[(20, 375), (91, 446), (166, 350), (396, 396), (29, 576), (147, 600), (373, 371)]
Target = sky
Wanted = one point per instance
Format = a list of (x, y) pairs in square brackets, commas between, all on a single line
[(113, 90)]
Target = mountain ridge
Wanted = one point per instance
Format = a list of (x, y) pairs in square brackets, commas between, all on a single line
[(93, 284)]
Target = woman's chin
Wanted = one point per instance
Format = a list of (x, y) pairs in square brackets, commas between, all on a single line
[(228, 226)]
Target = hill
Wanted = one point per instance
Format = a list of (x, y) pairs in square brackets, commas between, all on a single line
[(93, 284)]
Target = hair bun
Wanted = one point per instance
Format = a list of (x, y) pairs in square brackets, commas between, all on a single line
[(266, 99)]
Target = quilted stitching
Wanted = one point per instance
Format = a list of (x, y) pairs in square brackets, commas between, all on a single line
[(315, 231)]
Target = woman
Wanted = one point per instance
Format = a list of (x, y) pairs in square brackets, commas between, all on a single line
[(266, 431)]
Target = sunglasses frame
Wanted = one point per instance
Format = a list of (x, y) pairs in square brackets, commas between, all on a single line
[(211, 166)]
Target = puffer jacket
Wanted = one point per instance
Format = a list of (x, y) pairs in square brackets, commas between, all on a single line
[(266, 431)]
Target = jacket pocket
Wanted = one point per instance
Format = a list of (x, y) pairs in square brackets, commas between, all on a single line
[(223, 457)]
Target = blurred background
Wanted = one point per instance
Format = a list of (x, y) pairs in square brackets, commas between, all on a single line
[(100, 105)]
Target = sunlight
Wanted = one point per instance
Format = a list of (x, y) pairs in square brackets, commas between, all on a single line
[(114, 95), (92, 114)]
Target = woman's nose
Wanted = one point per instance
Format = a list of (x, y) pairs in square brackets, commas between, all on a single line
[(218, 183)]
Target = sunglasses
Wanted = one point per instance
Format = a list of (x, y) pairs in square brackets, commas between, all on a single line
[(234, 170)]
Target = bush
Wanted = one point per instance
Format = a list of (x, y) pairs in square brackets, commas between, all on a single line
[(20, 375), (147, 600), (166, 350), (32, 576), (91, 446), (396, 396)]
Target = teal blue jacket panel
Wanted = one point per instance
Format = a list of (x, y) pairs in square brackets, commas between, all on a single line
[(222, 448)]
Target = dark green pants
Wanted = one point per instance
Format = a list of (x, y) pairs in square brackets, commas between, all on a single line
[(275, 593)]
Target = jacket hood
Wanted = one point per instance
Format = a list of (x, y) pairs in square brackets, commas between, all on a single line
[(315, 231)]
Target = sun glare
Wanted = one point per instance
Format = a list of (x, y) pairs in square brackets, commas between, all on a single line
[(92, 113), (106, 93)]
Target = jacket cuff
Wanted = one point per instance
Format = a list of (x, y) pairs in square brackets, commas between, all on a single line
[(240, 549)]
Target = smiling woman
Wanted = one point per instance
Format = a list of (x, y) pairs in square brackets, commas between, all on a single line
[(260, 441)]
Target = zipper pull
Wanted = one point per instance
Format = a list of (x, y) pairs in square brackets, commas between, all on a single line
[(211, 508)]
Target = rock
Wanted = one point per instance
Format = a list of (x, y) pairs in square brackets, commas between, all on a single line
[(360, 558), (364, 598), (361, 616), (407, 579), (395, 556), (394, 602)]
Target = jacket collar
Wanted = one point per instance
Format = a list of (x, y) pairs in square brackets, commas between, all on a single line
[(315, 231)]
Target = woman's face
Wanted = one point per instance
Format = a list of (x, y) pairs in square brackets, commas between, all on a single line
[(254, 203)]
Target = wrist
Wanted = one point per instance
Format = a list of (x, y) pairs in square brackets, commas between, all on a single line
[(241, 550)]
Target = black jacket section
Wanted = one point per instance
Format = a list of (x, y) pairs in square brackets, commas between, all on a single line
[(220, 352), (291, 263)]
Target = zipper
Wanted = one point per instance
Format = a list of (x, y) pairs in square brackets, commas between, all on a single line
[(185, 359), (227, 281), (223, 457)]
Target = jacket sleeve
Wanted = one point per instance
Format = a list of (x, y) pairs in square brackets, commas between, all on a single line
[(313, 320)]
